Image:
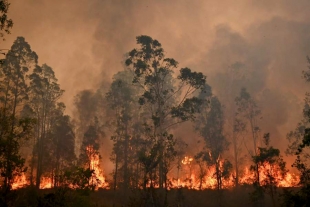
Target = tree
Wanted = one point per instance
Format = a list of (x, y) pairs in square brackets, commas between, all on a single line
[(299, 140), (168, 100), (62, 141), (209, 125), (248, 110), (271, 166), (239, 128), (88, 105), (247, 115), (89, 157), (123, 102), (19, 60), (228, 88), (5, 23), (44, 93)]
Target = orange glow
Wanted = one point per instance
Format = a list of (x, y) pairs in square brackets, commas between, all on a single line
[(193, 179), (46, 182), (191, 176), (19, 181), (97, 180)]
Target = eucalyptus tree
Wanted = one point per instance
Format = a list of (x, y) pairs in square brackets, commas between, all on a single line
[(89, 156), (210, 126), (248, 110), (5, 23), (122, 99), (269, 163), (248, 114), (19, 60), (61, 140), (299, 145), (239, 131), (167, 99), (45, 91)]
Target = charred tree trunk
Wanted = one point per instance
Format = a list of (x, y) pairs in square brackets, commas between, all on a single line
[(236, 159), (126, 146)]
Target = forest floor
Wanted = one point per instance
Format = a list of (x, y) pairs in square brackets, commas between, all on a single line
[(237, 197)]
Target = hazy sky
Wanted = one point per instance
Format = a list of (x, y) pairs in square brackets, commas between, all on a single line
[(84, 41)]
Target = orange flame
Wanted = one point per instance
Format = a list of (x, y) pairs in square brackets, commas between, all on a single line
[(20, 181), (193, 178), (97, 179)]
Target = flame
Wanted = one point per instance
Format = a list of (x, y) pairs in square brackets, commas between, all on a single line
[(97, 179), (46, 182), (192, 177), (187, 160), (20, 181)]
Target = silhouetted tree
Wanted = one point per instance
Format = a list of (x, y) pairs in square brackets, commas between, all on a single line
[(247, 115), (209, 124), (299, 145), (271, 165), (45, 91), (5, 23), (168, 100), (123, 100), (19, 60), (62, 142)]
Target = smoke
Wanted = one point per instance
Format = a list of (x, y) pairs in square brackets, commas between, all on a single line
[(264, 42)]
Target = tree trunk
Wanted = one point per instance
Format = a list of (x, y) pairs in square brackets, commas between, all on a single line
[(126, 181), (236, 159)]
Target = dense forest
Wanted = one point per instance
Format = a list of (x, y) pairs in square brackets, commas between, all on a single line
[(170, 137)]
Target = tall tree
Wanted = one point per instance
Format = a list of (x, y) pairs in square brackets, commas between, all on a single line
[(209, 124), (168, 100), (62, 143), (89, 153), (228, 87), (248, 114), (19, 60), (45, 91), (249, 111), (299, 142), (122, 99)]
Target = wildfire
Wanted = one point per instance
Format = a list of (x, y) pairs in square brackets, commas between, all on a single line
[(46, 183), (187, 160), (198, 178), (97, 179), (19, 181), (193, 176)]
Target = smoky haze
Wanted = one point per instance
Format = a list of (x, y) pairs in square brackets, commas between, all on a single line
[(267, 42)]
